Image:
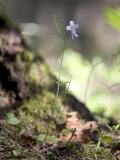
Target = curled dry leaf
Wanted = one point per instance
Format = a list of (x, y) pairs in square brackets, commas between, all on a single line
[(72, 120), (81, 133), (87, 130)]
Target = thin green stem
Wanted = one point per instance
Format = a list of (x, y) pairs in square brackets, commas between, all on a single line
[(89, 78), (58, 84)]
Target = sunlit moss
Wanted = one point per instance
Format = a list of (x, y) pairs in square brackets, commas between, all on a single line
[(40, 111), (28, 56), (39, 74)]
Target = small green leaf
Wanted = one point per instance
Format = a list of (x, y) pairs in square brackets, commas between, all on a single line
[(106, 138), (12, 119), (16, 152), (98, 144), (51, 138), (115, 128)]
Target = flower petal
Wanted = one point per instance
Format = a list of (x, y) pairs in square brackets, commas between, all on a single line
[(72, 23), (68, 28), (76, 26), (72, 36), (76, 35)]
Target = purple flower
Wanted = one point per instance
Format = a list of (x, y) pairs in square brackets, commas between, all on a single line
[(72, 28)]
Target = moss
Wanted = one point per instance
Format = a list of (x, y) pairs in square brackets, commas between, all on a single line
[(39, 74), (40, 110), (34, 71), (28, 56)]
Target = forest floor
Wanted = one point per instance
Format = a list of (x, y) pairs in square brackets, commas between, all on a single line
[(30, 142)]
